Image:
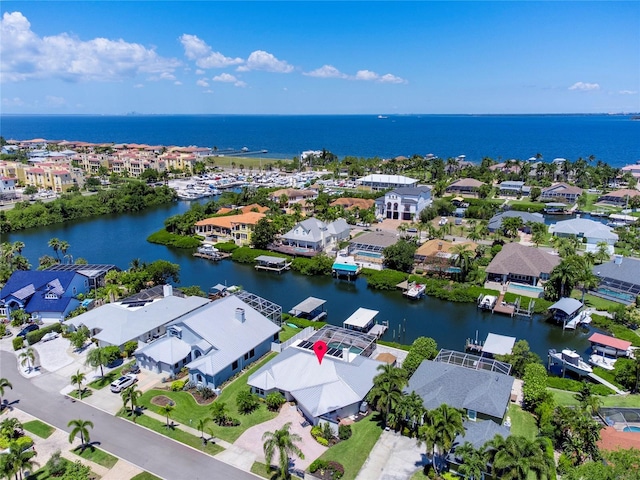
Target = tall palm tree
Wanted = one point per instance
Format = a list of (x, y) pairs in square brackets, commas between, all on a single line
[(167, 409), (387, 389), (411, 409), (98, 357), (55, 244), (472, 463), (77, 379), (17, 460), (446, 424), (81, 427), (4, 383), (64, 246), (28, 358), (131, 395), (517, 457), (283, 442), (464, 259)]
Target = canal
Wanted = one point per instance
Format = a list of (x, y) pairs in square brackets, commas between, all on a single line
[(120, 239)]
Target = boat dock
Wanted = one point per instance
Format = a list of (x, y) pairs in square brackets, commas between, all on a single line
[(363, 320), (311, 309), (503, 307), (582, 319), (569, 360), (272, 264), (601, 380), (214, 257)]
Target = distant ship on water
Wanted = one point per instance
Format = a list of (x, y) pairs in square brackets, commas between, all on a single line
[(382, 116)]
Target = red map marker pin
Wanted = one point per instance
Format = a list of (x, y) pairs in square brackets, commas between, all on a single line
[(320, 348)]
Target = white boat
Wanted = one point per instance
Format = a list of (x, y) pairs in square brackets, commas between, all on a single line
[(602, 361), (487, 302), (572, 361), (188, 195), (415, 291), (208, 250)]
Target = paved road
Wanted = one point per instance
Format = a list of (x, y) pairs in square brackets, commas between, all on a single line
[(146, 449)]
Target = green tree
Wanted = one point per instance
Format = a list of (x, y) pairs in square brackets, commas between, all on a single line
[(77, 379), (162, 271), (411, 411), (463, 259), (564, 278), (246, 401), (386, 393), (521, 356), (282, 442), (99, 357), (55, 244), (80, 427), (534, 388), (131, 395), (441, 427), (472, 464), (79, 337), (219, 413), (4, 383), (511, 225), (263, 234), (422, 348), (28, 357), (516, 457), (167, 409), (399, 256), (17, 460)]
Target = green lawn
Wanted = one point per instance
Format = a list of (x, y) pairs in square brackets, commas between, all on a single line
[(563, 397), (39, 428), (109, 377), (186, 409), (176, 434), (287, 332), (595, 302), (145, 476), (261, 470), (566, 398), (352, 453), (86, 392), (522, 423), (97, 456)]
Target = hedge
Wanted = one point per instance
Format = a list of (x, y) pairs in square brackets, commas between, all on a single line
[(383, 279), (35, 336), (226, 247), (163, 237), (575, 386), (18, 343)]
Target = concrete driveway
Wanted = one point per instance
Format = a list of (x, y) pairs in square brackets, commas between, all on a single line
[(251, 440), (393, 457)]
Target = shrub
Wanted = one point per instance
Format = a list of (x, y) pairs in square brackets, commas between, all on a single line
[(327, 431), (316, 431), (322, 441), (226, 247), (247, 402), (56, 464), (112, 352), (318, 465), (163, 237), (35, 336), (130, 347), (178, 385), (575, 386), (3, 330), (344, 432), (383, 279), (206, 393), (274, 401), (336, 469), (18, 343)]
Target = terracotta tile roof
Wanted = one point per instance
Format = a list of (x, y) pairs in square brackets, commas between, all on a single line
[(608, 341), (432, 247), (349, 203), (520, 260), (245, 209), (467, 182), (612, 439), (250, 218)]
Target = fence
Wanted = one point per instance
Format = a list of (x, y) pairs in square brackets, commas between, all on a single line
[(304, 334)]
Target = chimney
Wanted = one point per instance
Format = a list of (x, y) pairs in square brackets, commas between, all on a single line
[(618, 260), (240, 315), (167, 290)]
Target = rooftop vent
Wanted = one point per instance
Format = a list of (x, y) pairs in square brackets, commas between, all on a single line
[(240, 316)]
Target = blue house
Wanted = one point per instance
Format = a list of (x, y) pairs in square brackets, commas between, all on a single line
[(48, 296)]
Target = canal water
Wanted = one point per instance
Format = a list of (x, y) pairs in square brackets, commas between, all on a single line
[(122, 238)]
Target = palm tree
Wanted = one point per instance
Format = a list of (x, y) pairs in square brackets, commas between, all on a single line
[(55, 244), (445, 424), (28, 357), (463, 259), (17, 460), (411, 409), (387, 389), (63, 247), (587, 399), (131, 395), (98, 357), (201, 424), (518, 457), (283, 442), (80, 427), (602, 255), (167, 409), (4, 383), (472, 464), (77, 379)]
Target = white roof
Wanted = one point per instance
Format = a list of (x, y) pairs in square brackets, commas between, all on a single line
[(498, 344), (169, 350), (585, 227), (309, 305), (361, 317), (380, 178), (319, 388)]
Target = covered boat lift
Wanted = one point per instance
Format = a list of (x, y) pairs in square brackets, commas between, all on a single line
[(565, 309), (363, 320), (311, 309), (273, 264), (609, 345)]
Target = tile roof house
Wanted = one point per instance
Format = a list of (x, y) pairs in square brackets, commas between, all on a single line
[(350, 203), (483, 394), (436, 255), (213, 342), (403, 203), (591, 231), (560, 192), (316, 235), (495, 222), (47, 295), (328, 391), (521, 264), (140, 321), (619, 197), (464, 186), (230, 228)]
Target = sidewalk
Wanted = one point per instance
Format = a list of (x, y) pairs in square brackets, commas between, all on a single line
[(393, 457)]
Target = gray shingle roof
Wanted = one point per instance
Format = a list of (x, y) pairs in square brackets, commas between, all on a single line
[(627, 271), (518, 259), (378, 239), (460, 387), (496, 221)]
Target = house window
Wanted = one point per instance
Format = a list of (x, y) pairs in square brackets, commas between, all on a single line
[(234, 365), (472, 414), (252, 353), (246, 356)]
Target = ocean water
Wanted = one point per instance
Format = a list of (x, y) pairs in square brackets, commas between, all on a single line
[(614, 139)]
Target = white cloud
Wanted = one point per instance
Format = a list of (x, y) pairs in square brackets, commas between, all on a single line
[(177, 82), (138, 85), (202, 83), (200, 72), (208, 91), (326, 71), (204, 56), (628, 92), (53, 101), (585, 87), (389, 78), (240, 84), (265, 61), (12, 102), (24, 56), (225, 78), (366, 75)]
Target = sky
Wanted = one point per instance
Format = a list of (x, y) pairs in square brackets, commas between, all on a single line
[(364, 57)]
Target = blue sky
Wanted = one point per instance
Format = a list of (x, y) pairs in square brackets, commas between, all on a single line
[(266, 57)]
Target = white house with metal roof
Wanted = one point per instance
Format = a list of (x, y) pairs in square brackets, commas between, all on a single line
[(327, 391), (214, 342), (591, 231)]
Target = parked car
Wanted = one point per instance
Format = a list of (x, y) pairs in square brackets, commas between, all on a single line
[(123, 382), (29, 328), (50, 336), (135, 368)]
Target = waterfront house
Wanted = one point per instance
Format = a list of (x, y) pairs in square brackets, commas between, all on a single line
[(48, 296), (369, 246), (94, 274), (561, 192), (316, 235), (140, 318), (323, 392), (436, 255), (517, 263), (619, 198), (230, 228), (482, 394), (633, 169), (512, 188), (293, 195), (464, 186), (619, 279), (590, 232), (214, 342), (378, 181), (404, 203), (495, 222), (254, 207)]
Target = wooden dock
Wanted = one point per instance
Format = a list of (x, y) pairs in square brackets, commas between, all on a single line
[(214, 258), (502, 307)]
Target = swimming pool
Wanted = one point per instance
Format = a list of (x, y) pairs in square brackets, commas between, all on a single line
[(530, 288), (627, 297), (369, 254), (352, 349), (631, 429)]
